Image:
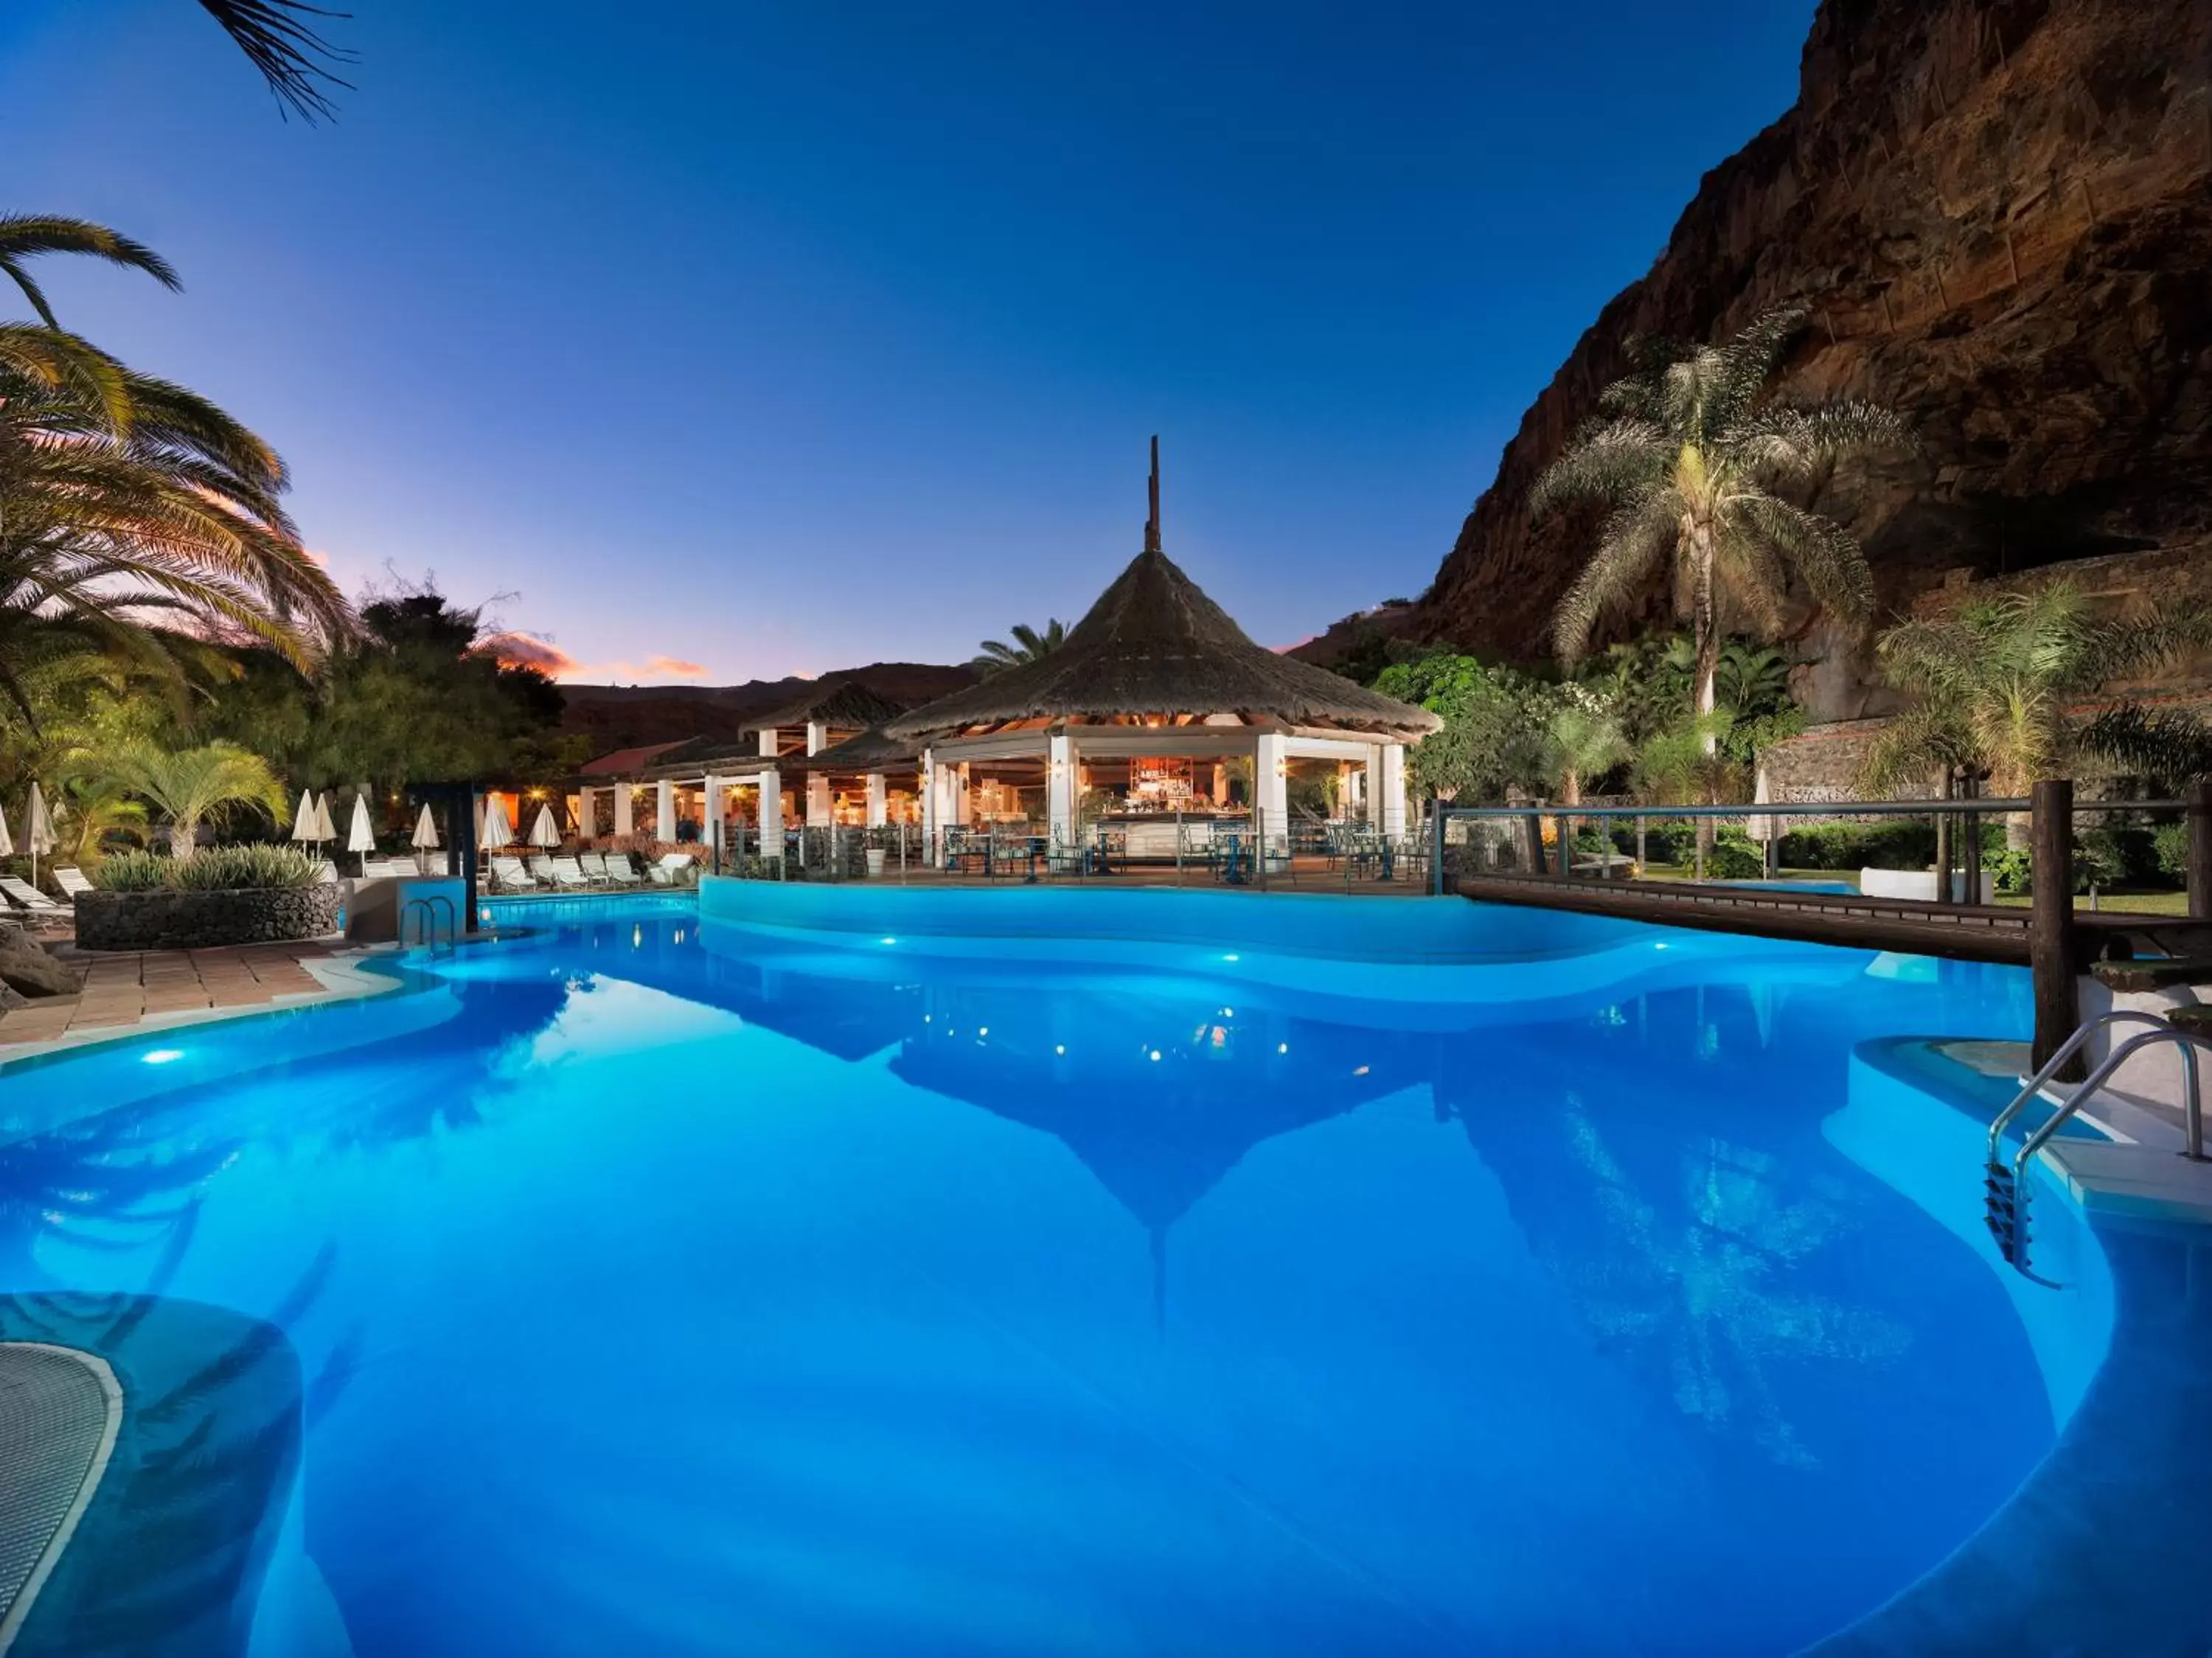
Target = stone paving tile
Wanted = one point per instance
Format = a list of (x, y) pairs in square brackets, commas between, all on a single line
[(122, 990)]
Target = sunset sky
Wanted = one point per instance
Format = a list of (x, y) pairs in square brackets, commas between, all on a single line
[(730, 340)]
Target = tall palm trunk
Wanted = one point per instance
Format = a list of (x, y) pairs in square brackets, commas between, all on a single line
[(1706, 635)]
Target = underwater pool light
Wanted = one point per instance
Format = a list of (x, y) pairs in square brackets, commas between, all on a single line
[(163, 1056)]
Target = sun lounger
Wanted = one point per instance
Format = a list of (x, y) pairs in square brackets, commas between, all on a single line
[(567, 874), (70, 878), (671, 870), (29, 899), (508, 874), (620, 870)]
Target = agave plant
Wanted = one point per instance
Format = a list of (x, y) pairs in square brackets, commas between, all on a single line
[(1697, 470), (192, 786), (1028, 646)]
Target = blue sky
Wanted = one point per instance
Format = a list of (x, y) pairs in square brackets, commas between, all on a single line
[(763, 339)]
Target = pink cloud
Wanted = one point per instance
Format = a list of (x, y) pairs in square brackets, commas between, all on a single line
[(516, 650)]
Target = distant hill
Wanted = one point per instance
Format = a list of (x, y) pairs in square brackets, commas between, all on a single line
[(628, 716)]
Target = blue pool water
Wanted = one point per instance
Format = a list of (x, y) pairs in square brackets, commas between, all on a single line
[(1023, 1273)]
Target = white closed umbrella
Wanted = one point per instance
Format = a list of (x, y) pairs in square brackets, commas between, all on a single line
[(6, 844), (325, 831), (497, 832), (426, 835), (1759, 826), (38, 833), (360, 836), (303, 820), (544, 832)]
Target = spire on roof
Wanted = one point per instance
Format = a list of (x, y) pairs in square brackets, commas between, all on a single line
[(1152, 523)]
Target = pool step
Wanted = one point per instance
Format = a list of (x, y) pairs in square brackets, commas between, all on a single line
[(2004, 1211)]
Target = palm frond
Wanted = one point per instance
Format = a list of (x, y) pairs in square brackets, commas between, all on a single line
[(1743, 368), (27, 235), (1820, 549), (1636, 538), (293, 57), (1611, 460), (2168, 745)]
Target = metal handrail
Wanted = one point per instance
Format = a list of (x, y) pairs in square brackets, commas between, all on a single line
[(427, 904), (2193, 1114), (2072, 1045)]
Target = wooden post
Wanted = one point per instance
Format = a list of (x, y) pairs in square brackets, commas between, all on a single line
[(2200, 852), (1944, 858), (2050, 924), (1533, 827)]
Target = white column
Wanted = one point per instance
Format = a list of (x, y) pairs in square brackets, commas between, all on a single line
[(767, 743), (664, 816), (929, 817), (1271, 786), (624, 824), (819, 810), (771, 813), (878, 801), (1393, 790), (963, 796), (818, 736), (1059, 788), (713, 836), (587, 816), (1370, 791)]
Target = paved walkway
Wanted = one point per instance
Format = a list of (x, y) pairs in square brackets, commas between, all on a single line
[(162, 986)]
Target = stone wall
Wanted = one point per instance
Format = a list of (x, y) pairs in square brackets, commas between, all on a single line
[(196, 921)]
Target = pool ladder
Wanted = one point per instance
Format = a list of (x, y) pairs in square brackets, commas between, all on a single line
[(2004, 1185), (428, 933)]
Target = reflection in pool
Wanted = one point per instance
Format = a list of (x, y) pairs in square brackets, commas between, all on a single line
[(670, 1288)]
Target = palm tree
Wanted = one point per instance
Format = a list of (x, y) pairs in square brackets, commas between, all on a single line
[(1683, 762), (125, 498), (1581, 744), (1989, 684), (190, 786), (1028, 646), (1692, 464)]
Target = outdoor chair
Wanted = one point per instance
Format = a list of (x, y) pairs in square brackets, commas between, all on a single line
[(70, 878), (620, 870), (672, 869), (29, 899)]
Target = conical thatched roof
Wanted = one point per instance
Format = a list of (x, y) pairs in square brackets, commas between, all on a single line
[(1155, 644)]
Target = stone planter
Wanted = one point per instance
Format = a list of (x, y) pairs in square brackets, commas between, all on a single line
[(876, 856), (195, 921)]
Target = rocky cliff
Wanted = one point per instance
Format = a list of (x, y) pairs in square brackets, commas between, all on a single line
[(2001, 216)]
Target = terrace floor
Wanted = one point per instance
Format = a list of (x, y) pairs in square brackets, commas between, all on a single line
[(164, 987)]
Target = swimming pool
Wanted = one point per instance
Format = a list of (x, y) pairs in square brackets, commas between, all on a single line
[(1035, 1272)]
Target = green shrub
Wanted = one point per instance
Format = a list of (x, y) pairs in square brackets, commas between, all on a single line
[(2170, 841), (1900, 844), (131, 872), (2008, 868), (2129, 851), (216, 869), (1734, 857)]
